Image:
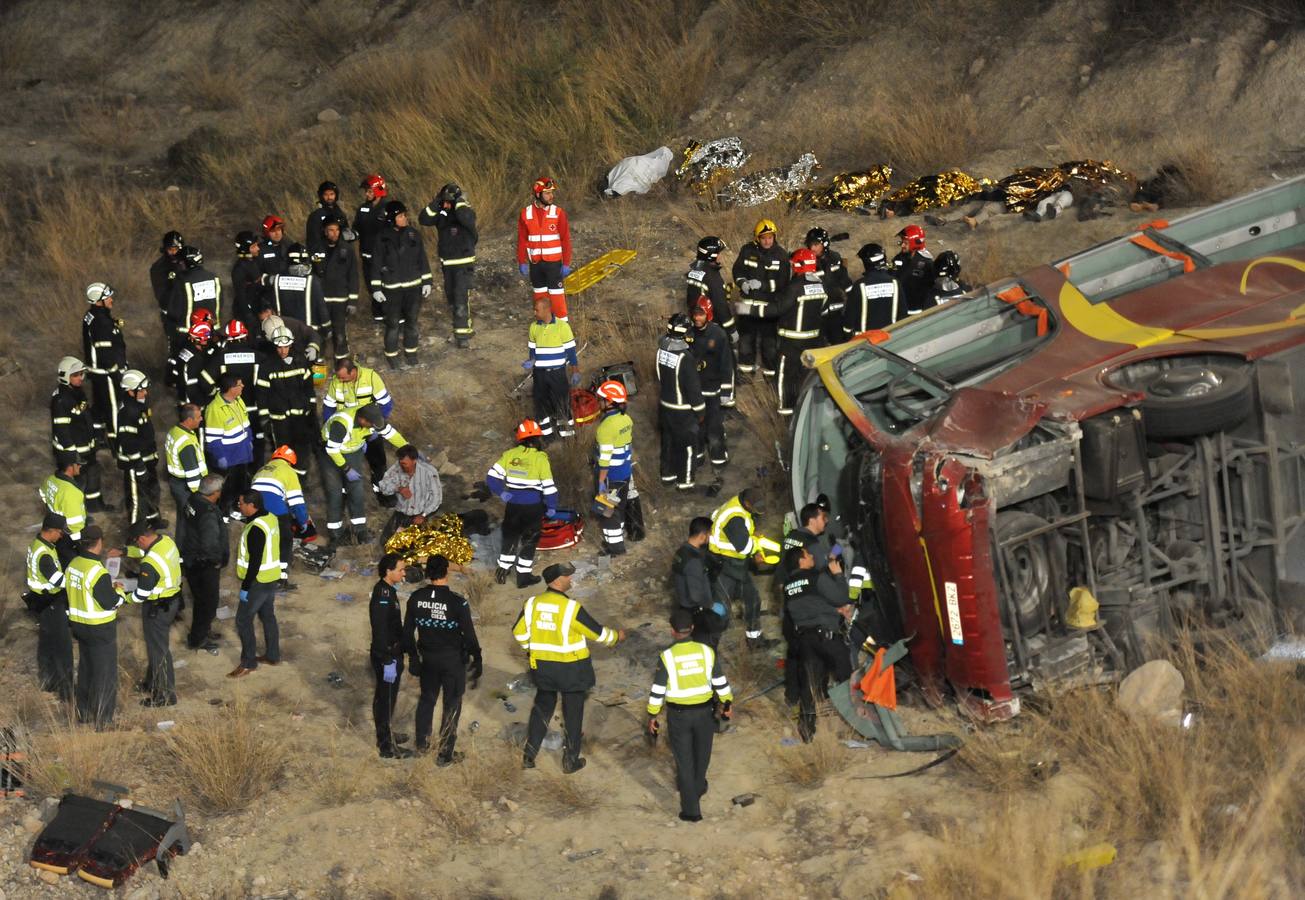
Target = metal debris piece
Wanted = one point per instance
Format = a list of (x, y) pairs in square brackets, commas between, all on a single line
[(759, 187), (441, 535), (707, 164), (585, 854), (849, 191)]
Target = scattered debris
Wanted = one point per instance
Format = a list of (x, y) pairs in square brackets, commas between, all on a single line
[(583, 854), (344, 598), (1286, 648), (166, 725), (744, 800), (637, 174), (335, 679), (1089, 858), (1153, 690)]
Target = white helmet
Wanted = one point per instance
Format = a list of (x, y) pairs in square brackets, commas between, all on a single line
[(134, 380), (68, 367), (97, 291), (271, 324), (281, 336)]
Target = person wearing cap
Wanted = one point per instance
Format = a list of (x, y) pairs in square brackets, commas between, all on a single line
[(64, 498), (184, 460), (386, 655), (93, 601), (693, 587), (345, 435), (555, 630), (416, 485), (72, 429), (138, 452), (283, 496), (614, 464), (441, 641), (158, 591), (689, 680), (105, 352), (258, 566), (523, 479), (734, 542), (48, 599), (817, 603)]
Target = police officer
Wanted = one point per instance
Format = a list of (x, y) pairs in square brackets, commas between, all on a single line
[(192, 365), (760, 272), (106, 359), (441, 639), (184, 459), (138, 454), (711, 348), (283, 496), (229, 438), (799, 310), (63, 497), (693, 587), (271, 249), (247, 280), (704, 280), (72, 429), (614, 465), (833, 275), (337, 269), (368, 222), (158, 590), (552, 350), (810, 535), (455, 222), (680, 405), (544, 245), (93, 601), (733, 542), (875, 299), (352, 386), (204, 555), (555, 630), (194, 289), (946, 278), (817, 603), (386, 654), (345, 434), (914, 267), (328, 209), (287, 400), (690, 681), (258, 566), (47, 598), (523, 479), (164, 271), (296, 293), (400, 280)]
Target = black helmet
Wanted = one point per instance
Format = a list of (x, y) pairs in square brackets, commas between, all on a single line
[(172, 240), (297, 254), (328, 186), (711, 247), (245, 240), (450, 193), (678, 324), (872, 257), (393, 210), (948, 265), (332, 218), (194, 258), (817, 234)]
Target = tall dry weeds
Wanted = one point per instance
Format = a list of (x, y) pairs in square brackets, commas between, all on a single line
[(63, 756), (224, 761)]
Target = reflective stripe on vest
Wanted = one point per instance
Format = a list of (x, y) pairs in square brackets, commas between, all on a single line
[(718, 542), (688, 673), (269, 567), (36, 582), (81, 576), (179, 439), (542, 245), (354, 437), (165, 560), (66, 499)]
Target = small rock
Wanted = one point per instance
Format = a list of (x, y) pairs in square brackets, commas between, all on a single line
[(509, 804), (173, 188), (259, 881), (48, 877), (1152, 690), (185, 111), (328, 115), (125, 803), (1085, 69), (195, 848), (1084, 80), (1100, 27), (1269, 48), (977, 66), (33, 825), (516, 826), (1026, 100), (1196, 41)]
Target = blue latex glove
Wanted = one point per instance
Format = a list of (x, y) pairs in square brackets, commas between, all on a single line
[(528, 365), (244, 596), (718, 608), (566, 270), (575, 379), (525, 268), (550, 512), (223, 462), (506, 496), (390, 673), (351, 475)]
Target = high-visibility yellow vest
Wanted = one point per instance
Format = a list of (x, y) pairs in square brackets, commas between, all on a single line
[(548, 630), (179, 439), (269, 567), (36, 582), (721, 545), (354, 435), (689, 681), (164, 558), (81, 577), (63, 498)]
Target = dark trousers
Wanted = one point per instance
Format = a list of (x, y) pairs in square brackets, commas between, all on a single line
[(97, 672), (261, 603), (691, 730), (401, 308), (374, 453), (384, 697), (54, 648), (340, 489), (104, 405), (140, 488), (792, 661), (735, 583), (91, 481), (180, 492), (546, 280), (708, 627), (522, 525), (445, 673), (236, 483), (573, 718), (156, 621), (458, 281), (551, 392), (820, 656), (613, 522), (378, 309), (758, 336), (712, 436), (339, 312), (791, 372), (679, 434), (298, 431), (203, 580)]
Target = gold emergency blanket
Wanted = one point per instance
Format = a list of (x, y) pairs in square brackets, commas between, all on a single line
[(440, 536), (934, 191), (849, 191), (1026, 186), (706, 164)]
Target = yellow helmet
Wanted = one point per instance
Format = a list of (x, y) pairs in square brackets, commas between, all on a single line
[(765, 226)]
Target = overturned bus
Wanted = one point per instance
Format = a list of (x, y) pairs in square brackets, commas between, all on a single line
[(1129, 421)]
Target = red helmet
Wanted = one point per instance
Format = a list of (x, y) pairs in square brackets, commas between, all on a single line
[(271, 222), (201, 332), (803, 261), (914, 237), (202, 316), (613, 391), (544, 184), (527, 429), (284, 452), (236, 330), (702, 304), (376, 184)]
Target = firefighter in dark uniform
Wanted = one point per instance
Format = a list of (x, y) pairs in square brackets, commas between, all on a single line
[(711, 348), (875, 300), (328, 208), (760, 272), (296, 293), (693, 588), (441, 639), (386, 655), (368, 223), (106, 360), (72, 430), (192, 366), (93, 601), (553, 355), (689, 680), (247, 281), (455, 222), (194, 289), (704, 280), (286, 398), (47, 598), (158, 591), (138, 455), (800, 308), (680, 403), (337, 269), (164, 271), (946, 278), (914, 267), (809, 535), (833, 275), (818, 605), (238, 356), (400, 280), (271, 249)]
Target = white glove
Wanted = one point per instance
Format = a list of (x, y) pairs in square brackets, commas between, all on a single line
[(378, 296), (310, 353), (349, 235), (752, 284), (425, 291), (742, 308)]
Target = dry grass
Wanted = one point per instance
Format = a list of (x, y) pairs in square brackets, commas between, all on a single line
[(809, 765), (562, 794), (216, 88), (65, 757), (224, 761), (453, 796), (24, 40), (940, 132), (115, 127), (326, 30)]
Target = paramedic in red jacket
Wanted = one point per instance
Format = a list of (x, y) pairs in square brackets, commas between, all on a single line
[(544, 246)]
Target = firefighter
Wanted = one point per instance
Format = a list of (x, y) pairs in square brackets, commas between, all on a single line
[(523, 479), (229, 440), (818, 608), (48, 599), (287, 400), (833, 275), (680, 405), (337, 269), (693, 586), (400, 280), (689, 680), (306, 340), (704, 280), (64, 498), (946, 278), (297, 292), (345, 434), (238, 357), (352, 386), (138, 455), (72, 429), (283, 496), (192, 366), (194, 289), (800, 308), (368, 223), (164, 271), (247, 281), (455, 223), (875, 300), (734, 542), (271, 249), (386, 654), (158, 591), (715, 360), (614, 466), (544, 245), (760, 272), (106, 360), (93, 601), (552, 354), (555, 630), (328, 209), (440, 638), (258, 566), (184, 458), (914, 267)]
